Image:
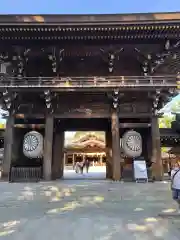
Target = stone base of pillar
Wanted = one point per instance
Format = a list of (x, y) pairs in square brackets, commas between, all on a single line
[(157, 172)]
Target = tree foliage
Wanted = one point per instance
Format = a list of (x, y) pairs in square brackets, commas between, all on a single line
[(165, 121)]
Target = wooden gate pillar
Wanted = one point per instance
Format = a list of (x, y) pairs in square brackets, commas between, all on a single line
[(109, 174), (48, 144), (8, 148), (157, 165), (116, 154), (58, 155)]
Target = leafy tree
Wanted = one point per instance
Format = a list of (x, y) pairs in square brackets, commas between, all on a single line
[(164, 149), (165, 121)]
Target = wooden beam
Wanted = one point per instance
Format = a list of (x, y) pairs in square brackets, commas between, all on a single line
[(58, 153), (135, 125), (48, 144), (157, 164), (97, 89), (103, 150), (109, 170), (83, 115), (116, 155)]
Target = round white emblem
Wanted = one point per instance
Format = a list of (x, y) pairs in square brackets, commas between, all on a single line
[(33, 144), (132, 144)]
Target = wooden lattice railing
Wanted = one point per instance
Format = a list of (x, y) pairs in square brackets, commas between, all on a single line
[(7, 81), (25, 174)]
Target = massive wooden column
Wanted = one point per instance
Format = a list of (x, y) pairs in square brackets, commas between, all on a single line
[(109, 173), (157, 165), (115, 146), (48, 144), (8, 148), (58, 155)]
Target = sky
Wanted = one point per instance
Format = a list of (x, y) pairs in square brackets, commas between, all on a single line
[(167, 108), (87, 6)]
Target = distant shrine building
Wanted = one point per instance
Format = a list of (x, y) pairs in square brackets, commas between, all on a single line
[(89, 145), (108, 73)]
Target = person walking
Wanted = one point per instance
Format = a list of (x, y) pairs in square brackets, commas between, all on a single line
[(79, 167), (175, 183), (76, 167), (87, 164)]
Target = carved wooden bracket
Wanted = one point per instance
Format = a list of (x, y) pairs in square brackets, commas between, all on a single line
[(48, 96), (109, 55), (56, 57), (9, 100), (115, 99)]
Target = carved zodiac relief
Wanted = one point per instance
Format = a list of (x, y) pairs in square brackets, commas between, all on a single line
[(33, 144), (132, 144)]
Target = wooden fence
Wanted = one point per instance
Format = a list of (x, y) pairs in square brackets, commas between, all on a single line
[(25, 174)]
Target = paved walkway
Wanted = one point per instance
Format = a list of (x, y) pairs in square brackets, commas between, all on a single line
[(97, 172), (86, 210)]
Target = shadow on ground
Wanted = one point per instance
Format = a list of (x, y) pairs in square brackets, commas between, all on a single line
[(87, 210)]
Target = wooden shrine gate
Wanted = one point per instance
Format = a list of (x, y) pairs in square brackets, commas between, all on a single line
[(106, 72)]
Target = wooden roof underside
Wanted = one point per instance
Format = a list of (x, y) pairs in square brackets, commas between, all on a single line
[(90, 27), (148, 23), (125, 23), (146, 33), (94, 19)]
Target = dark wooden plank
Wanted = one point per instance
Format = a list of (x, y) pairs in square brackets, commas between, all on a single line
[(94, 115), (134, 125)]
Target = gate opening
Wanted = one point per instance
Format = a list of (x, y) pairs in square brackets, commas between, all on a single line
[(84, 155)]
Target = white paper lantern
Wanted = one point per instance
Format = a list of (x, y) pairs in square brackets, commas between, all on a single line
[(33, 144), (132, 144)]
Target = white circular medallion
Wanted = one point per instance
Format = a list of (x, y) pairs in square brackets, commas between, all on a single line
[(33, 144), (132, 144)]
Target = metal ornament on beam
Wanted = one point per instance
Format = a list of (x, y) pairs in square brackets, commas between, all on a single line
[(115, 99), (109, 56), (155, 103), (48, 100), (56, 57), (8, 99)]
